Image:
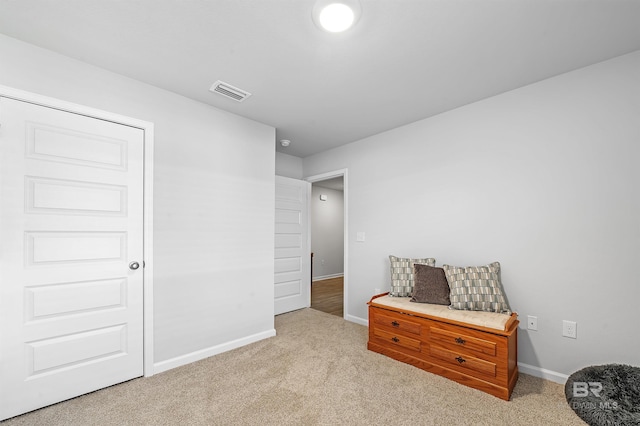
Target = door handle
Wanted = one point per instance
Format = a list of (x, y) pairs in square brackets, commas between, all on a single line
[(134, 265)]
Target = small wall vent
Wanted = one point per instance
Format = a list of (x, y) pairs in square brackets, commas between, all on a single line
[(229, 91)]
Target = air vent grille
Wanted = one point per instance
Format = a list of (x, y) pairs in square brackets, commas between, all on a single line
[(229, 91)]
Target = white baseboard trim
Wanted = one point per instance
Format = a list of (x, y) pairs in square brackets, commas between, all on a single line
[(326, 277), (179, 361), (542, 373), (357, 320)]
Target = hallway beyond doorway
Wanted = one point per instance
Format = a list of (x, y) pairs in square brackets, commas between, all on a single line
[(328, 296)]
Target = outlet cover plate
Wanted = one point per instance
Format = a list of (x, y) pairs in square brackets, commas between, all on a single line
[(569, 329)]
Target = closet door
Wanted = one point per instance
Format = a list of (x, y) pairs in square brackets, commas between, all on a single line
[(71, 250)]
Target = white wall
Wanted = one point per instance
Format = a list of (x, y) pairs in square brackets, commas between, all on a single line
[(327, 232), (288, 166), (544, 179), (214, 202)]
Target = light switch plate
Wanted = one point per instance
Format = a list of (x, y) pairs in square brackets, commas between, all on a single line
[(532, 323)]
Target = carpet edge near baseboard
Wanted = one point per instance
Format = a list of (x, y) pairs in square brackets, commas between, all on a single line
[(201, 354), (542, 373)]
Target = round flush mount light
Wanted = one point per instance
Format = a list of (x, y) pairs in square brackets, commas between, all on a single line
[(336, 16), (285, 142)]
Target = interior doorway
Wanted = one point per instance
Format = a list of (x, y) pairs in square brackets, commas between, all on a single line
[(328, 243)]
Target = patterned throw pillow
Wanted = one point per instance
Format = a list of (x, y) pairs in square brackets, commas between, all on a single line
[(477, 288), (430, 285), (402, 274)]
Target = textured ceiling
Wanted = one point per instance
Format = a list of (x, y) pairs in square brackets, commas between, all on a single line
[(405, 59)]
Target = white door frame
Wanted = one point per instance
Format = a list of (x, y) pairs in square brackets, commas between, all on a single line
[(330, 175), (147, 128)]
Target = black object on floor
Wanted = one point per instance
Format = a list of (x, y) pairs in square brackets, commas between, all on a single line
[(605, 395)]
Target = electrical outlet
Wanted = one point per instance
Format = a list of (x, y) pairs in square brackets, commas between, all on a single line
[(569, 329), (532, 323)]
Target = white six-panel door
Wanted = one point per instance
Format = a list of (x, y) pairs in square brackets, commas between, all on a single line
[(71, 224), (292, 249)]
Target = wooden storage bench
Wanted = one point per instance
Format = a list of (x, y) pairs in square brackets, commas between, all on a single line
[(477, 349)]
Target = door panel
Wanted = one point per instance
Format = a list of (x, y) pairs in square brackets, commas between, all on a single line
[(71, 221), (292, 264), (69, 145), (72, 197), (64, 299)]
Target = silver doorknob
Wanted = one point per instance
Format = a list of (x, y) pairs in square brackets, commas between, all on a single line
[(134, 265)]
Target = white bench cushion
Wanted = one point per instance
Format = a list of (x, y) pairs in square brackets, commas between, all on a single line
[(479, 318)]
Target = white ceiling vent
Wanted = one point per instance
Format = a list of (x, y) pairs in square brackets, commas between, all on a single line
[(231, 92)]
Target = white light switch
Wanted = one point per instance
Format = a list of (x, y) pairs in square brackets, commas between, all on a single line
[(532, 323), (360, 236)]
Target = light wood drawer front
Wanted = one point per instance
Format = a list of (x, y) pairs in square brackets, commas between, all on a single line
[(464, 361), (463, 341), (398, 324), (399, 340)]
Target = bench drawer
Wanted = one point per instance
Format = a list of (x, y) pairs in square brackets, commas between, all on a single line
[(464, 361), (461, 340), (399, 340), (398, 324)]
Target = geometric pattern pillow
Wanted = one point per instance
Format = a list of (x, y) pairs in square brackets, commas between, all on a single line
[(402, 274), (476, 288)]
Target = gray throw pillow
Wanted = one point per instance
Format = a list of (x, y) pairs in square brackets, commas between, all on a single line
[(402, 274), (430, 285)]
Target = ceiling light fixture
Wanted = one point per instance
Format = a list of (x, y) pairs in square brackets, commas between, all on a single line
[(285, 142), (336, 15)]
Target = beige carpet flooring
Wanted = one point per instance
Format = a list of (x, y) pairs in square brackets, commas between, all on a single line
[(316, 371)]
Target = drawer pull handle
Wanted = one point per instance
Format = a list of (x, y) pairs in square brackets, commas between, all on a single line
[(460, 359), (395, 339), (460, 340), (395, 323)]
